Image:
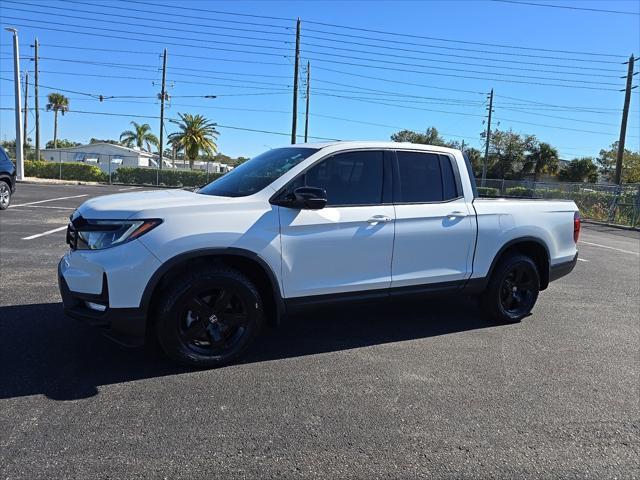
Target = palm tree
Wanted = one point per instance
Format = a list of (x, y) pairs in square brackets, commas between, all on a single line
[(140, 136), (57, 103), (542, 159), (196, 134)]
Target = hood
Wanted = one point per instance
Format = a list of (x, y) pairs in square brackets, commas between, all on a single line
[(125, 205)]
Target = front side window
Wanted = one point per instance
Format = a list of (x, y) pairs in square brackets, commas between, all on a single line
[(424, 177), (255, 174), (350, 178)]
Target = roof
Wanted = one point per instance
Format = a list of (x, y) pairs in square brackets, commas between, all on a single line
[(91, 145), (375, 144)]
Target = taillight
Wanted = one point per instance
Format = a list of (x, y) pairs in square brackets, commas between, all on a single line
[(576, 226)]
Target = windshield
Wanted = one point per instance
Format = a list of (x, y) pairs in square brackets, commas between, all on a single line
[(255, 174)]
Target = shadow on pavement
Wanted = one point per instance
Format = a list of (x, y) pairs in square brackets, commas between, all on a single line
[(44, 352)]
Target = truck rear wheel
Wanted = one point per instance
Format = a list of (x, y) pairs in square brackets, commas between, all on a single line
[(209, 317), (513, 289)]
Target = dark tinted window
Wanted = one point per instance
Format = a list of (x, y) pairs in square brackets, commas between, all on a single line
[(351, 178), (448, 178), (4, 160), (420, 178), (255, 174)]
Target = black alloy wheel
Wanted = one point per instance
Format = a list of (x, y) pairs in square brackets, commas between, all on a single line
[(512, 290), (519, 290), (214, 321), (209, 316)]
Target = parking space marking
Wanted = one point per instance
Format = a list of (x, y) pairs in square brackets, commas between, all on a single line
[(610, 248), (46, 206), (50, 200), (127, 188), (583, 260), (44, 233)]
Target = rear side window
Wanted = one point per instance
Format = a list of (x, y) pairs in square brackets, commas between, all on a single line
[(448, 178), (350, 178), (424, 177)]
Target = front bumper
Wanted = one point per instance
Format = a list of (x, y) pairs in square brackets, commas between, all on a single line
[(124, 325)]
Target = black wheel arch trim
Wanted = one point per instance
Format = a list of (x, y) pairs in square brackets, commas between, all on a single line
[(479, 284), (166, 266)]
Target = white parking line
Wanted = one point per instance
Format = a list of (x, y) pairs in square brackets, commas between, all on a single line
[(610, 248), (127, 188), (47, 206), (582, 260), (44, 233), (50, 200)]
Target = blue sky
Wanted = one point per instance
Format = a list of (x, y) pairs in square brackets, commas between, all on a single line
[(364, 84)]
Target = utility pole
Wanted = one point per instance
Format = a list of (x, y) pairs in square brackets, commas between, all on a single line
[(623, 125), (294, 120), (25, 129), (163, 96), (486, 147), (37, 105), (18, 106), (306, 112)]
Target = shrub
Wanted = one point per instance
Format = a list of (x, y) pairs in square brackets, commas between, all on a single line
[(70, 171), (519, 192), (167, 177), (488, 192)]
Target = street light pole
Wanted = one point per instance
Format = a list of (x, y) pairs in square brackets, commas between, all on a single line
[(18, 105)]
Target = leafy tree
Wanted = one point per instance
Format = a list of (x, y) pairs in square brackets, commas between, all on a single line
[(62, 143), (57, 103), (476, 159), (97, 140), (429, 137), (543, 158), (508, 153), (630, 164), (579, 170), (140, 137), (196, 134)]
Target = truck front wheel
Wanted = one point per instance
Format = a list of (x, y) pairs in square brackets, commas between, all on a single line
[(209, 316), (513, 289)]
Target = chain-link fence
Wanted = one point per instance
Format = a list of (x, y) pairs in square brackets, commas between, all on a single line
[(613, 204)]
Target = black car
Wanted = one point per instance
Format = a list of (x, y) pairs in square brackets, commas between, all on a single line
[(7, 179)]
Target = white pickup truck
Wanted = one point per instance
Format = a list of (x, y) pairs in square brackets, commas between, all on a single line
[(302, 225)]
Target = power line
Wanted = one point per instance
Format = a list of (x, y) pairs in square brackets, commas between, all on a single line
[(493, 79), (138, 52), (465, 114), (474, 57), (179, 15), (439, 68), (182, 37), (172, 20), (341, 41), (233, 127), (374, 31), (599, 10), (163, 27)]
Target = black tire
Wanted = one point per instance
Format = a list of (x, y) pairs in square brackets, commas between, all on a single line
[(513, 289), (5, 195), (209, 316)]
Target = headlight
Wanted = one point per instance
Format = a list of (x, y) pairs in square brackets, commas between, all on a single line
[(85, 234)]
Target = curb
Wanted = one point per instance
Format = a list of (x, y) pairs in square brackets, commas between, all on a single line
[(47, 181), (612, 225)]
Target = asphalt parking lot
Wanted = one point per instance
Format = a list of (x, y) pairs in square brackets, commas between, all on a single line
[(405, 390)]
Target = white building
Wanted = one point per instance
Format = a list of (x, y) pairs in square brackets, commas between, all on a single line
[(108, 156)]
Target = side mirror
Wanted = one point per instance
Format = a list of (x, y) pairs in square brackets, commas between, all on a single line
[(312, 198), (307, 198)]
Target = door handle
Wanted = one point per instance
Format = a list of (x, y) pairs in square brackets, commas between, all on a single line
[(456, 214), (378, 219)]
